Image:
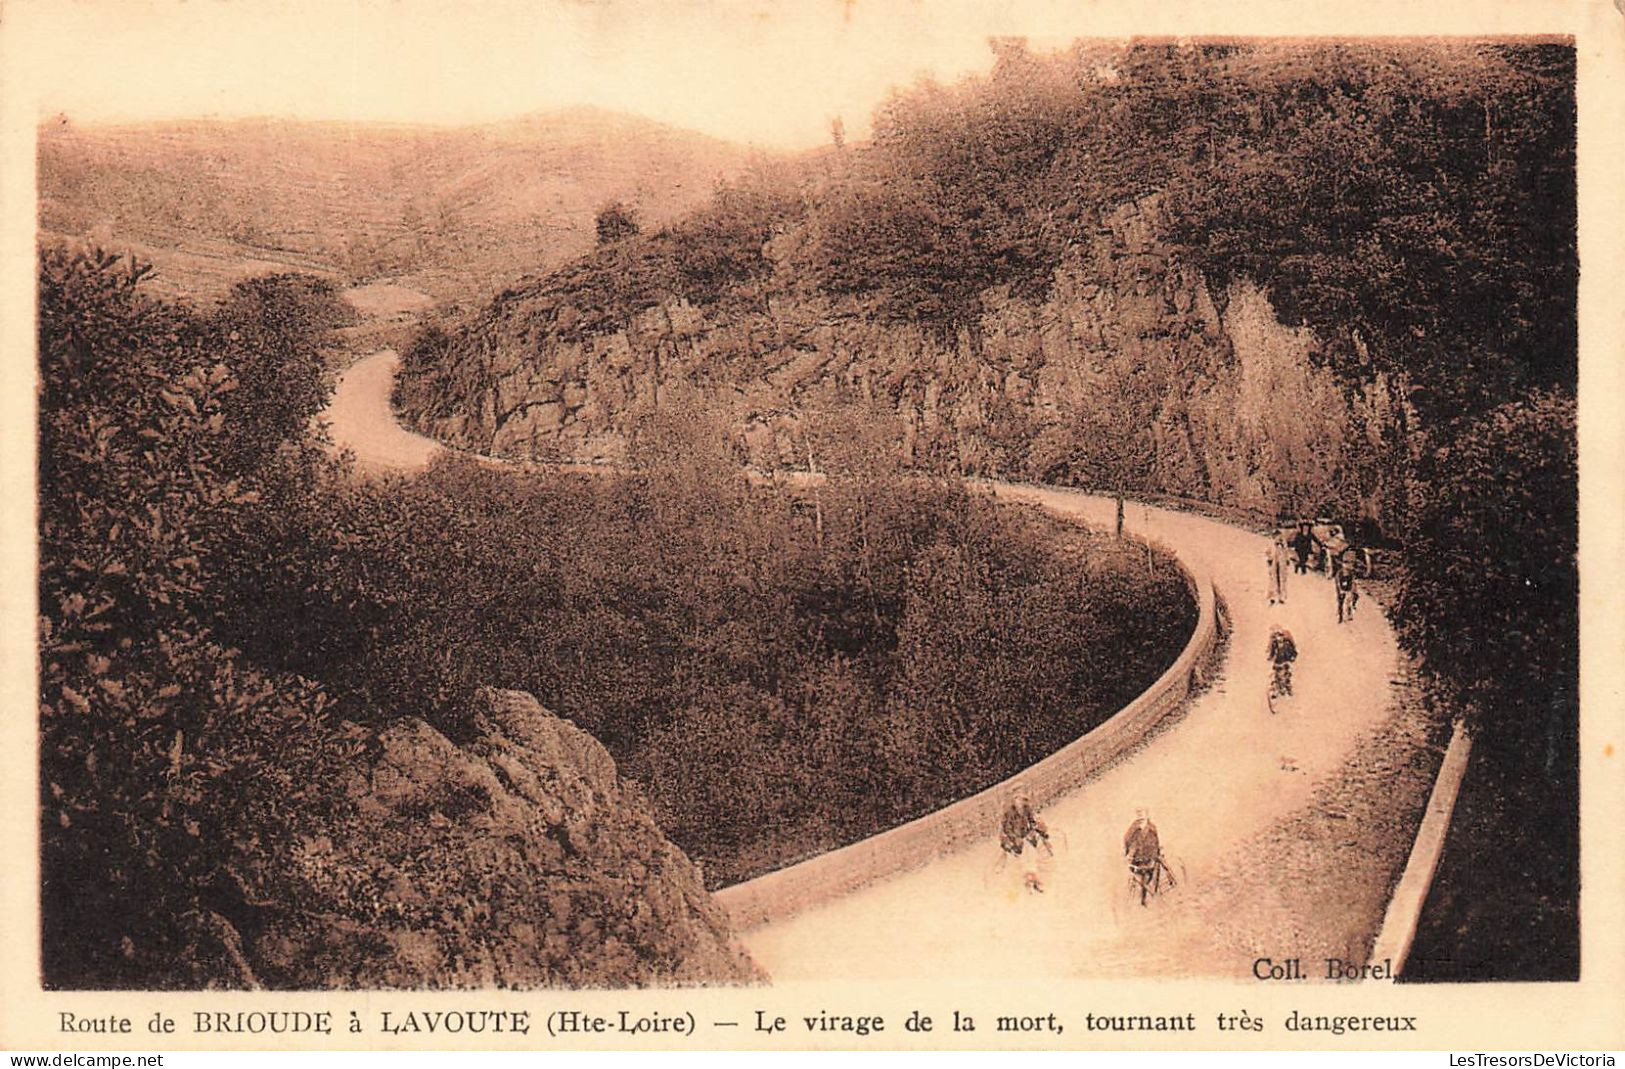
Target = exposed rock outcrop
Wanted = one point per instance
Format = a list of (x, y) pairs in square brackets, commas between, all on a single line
[(1129, 335), (516, 859)]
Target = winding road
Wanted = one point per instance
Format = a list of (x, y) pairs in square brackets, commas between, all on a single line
[(359, 419), (1214, 780)]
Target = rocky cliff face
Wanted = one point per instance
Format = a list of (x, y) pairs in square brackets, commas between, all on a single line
[(515, 859), (1129, 339)]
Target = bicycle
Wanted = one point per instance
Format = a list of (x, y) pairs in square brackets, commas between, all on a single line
[(1280, 686), (1033, 863), (1146, 882)]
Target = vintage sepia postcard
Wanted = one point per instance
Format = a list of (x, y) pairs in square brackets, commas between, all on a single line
[(861, 524)]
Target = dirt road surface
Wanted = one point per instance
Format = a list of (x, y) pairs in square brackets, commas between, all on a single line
[(359, 418)]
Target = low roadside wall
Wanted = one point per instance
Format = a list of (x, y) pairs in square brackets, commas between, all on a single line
[(828, 876), (1393, 942)]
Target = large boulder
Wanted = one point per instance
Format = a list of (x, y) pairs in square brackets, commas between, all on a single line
[(514, 858)]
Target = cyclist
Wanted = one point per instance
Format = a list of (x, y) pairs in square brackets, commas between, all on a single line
[(1022, 835), (1282, 652), (1348, 593), (1144, 852)]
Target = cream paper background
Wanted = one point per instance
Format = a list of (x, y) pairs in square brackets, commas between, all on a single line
[(41, 37)]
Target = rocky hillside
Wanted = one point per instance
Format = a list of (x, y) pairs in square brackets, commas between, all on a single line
[(1130, 350), (1074, 269), (514, 859)]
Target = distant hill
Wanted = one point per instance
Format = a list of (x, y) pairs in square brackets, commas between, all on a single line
[(449, 210)]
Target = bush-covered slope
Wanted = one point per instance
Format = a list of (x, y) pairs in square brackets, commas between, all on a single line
[(1021, 268), (209, 819), (1131, 372)]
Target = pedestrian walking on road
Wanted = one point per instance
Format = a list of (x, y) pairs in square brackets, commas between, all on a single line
[(1338, 555), (1275, 560), (1303, 544)]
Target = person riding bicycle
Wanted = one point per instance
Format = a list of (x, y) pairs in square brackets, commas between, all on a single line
[(1021, 832), (1348, 592), (1282, 652), (1143, 850)]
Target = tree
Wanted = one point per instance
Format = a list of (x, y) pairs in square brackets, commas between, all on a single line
[(1491, 596), (1109, 443), (169, 768), (616, 221), (1490, 605), (268, 333)]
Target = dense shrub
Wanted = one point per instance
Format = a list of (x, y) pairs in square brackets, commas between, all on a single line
[(719, 249), (1490, 606), (1491, 595), (615, 222), (165, 760), (279, 385)]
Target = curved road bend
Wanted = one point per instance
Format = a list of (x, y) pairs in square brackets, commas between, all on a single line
[(359, 418), (1222, 773)]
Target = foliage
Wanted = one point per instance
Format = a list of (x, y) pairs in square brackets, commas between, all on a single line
[(753, 666), (1492, 580), (165, 761), (616, 222), (1386, 197), (1490, 607), (1381, 194), (1003, 657), (890, 237), (279, 386), (206, 817), (719, 248)]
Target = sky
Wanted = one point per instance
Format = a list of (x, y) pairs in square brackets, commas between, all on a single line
[(768, 73), (772, 73)]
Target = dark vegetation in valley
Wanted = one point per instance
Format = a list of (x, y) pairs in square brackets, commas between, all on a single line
[(782, 671), (232, 630)]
